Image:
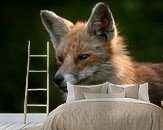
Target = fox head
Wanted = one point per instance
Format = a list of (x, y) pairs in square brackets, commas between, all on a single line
[(83, 50)]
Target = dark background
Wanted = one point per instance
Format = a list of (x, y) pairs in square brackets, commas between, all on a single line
[(139, 21)]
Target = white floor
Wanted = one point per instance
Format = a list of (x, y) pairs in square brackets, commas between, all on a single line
[(15, 121), (17, 126)]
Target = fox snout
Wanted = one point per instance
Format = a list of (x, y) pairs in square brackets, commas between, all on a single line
[(58, 79), (61, 80)]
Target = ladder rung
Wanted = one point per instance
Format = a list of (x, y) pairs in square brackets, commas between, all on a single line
[(36, 105), (37, 70), (37, 89), (38, 55)]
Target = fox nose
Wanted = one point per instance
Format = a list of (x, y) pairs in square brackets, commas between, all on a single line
[(58, 79)]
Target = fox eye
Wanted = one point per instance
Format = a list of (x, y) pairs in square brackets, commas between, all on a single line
[(84, 56)]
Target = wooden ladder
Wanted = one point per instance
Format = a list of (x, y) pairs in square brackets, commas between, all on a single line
[(36, 89)]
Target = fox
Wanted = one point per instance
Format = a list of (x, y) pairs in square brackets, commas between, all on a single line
[(94, 52)]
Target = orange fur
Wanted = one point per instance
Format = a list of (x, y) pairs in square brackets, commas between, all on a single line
[(126, 70)]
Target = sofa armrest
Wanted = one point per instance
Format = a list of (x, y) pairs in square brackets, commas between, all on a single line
[(162, 103)]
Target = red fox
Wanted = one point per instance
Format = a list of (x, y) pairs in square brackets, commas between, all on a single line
[(93, 52)]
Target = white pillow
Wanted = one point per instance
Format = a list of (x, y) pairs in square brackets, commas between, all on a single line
[(76, 92), (103, 95), (138, 91), (143, 92), (130, 90)]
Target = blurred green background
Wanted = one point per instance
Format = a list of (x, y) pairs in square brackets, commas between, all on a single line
[(139, 21)]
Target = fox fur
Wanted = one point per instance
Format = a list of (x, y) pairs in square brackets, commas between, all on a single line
[(93, 52)]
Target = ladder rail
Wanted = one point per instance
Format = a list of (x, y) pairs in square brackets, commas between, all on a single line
[(47, 102), (26, 86)]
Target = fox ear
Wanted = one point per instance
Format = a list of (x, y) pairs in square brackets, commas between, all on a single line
[(101, 22), (56, 26)]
